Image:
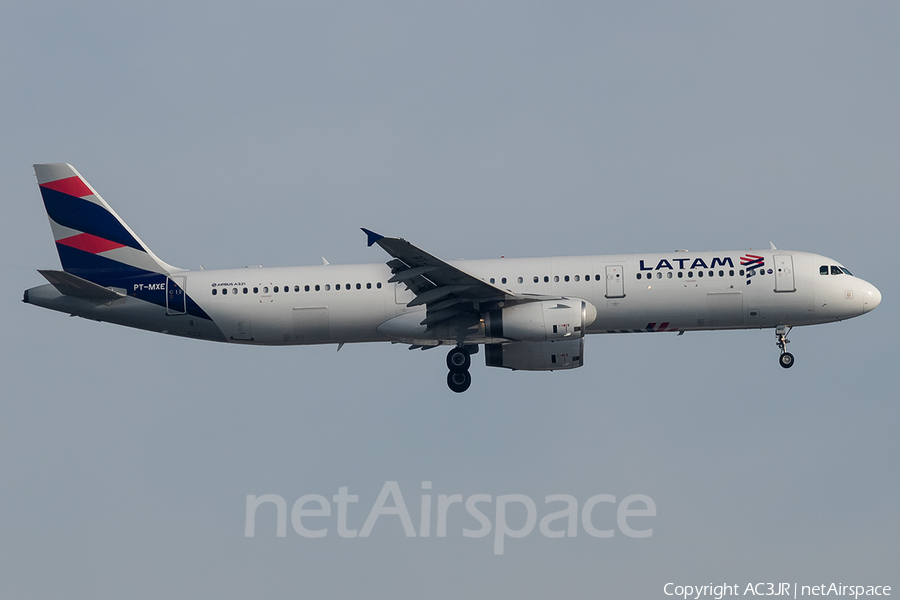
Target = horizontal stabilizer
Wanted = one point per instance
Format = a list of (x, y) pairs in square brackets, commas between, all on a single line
[(72, 285)]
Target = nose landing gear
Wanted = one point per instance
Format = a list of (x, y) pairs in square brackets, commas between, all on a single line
[(786, 359), (458, 361)]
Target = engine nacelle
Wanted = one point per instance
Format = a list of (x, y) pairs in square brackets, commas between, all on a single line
[(543, 321), (535, 356)]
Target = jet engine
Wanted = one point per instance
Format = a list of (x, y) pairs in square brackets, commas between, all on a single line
[(541, 321)]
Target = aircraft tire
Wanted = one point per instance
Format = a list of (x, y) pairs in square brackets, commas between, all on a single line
[(459, 381), (458, 360), (786, 360)]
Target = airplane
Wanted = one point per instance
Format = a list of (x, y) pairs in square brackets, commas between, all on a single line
[(530, 314)]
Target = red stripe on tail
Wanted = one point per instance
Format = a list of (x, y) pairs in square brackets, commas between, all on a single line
[(89, 243), (73, 186)]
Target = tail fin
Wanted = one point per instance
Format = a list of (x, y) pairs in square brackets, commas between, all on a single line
[(92, 241)]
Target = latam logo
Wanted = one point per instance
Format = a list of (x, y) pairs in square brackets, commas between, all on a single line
[(697, 263), (752, 262)]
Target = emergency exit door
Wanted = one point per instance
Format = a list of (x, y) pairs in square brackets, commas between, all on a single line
[(175, 302), (615, 281), (784, 273)]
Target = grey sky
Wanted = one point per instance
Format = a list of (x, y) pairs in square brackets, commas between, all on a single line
[(231, 134)]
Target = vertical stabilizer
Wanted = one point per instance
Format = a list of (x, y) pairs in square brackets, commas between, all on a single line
[(91, 239)]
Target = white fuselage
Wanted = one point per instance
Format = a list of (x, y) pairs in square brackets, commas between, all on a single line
[(631, 293)]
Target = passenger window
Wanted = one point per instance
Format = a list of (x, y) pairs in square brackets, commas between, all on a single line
[(234, 291), (359, 286), (347, 287), (711, 273), (597, 277), (566, 278), (265, 289), (503, 280), (536, 279), (658, 275), (555, 279), (296, 288), (378, 285), (680, 274), (721, 273), (835, 270), (823, 270), (578, 278), (224, 291), (245, 290), (305, 288), (731, 272), (699, 274), (547, 279), (256, 290), (369, 286), (327, 287), (215, 291), (638, 275), (690, 274), (492, 280), (317, 287), (741, 272), (669, 275), (519, 280), (337, 287)]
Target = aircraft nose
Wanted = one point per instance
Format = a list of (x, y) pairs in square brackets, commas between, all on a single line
[(871, 298)]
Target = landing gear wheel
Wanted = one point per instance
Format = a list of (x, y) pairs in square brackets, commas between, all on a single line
[(786, 359), (459, 381), (458, 361)]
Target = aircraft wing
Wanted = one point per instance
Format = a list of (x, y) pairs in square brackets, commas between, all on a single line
[(447, 292)]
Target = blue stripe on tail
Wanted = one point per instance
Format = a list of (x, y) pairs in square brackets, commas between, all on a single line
[(85, 216)]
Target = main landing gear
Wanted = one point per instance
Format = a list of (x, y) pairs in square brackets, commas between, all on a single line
[(458, 361), (786, 359)]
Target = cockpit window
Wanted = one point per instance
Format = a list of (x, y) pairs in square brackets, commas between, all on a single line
[(835, 270), (823, 270), (846, 272)]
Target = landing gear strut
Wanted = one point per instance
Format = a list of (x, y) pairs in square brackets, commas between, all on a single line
[(786, 359), (458, 361)]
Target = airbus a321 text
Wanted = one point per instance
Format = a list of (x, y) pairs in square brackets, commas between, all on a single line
[(529, 313)]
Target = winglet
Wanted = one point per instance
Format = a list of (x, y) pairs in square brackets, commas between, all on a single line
[(771, 245), (371, 236)]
